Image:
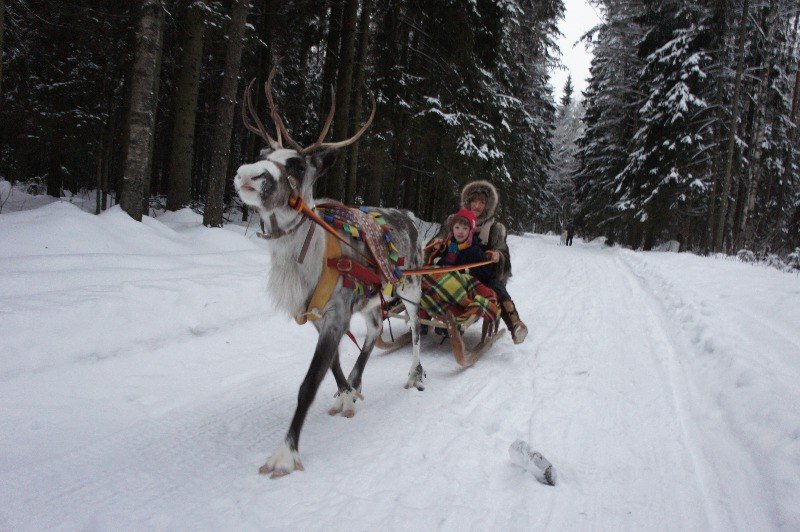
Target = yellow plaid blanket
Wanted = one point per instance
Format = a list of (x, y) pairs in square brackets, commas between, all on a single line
[(461, 294)]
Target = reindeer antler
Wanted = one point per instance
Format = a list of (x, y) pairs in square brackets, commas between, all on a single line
[(273, 112), (346, 142), (260, 130), (281, 128)]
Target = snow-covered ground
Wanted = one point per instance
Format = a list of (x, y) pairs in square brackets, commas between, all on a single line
[(144, 378)]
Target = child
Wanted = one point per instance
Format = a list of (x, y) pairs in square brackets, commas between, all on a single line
[(463, 295), (462, 246)]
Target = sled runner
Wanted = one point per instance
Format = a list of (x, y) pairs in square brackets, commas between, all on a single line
[(465, 356)]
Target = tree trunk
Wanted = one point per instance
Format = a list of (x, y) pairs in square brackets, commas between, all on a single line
[(789, 163), (98, 207), (332, 44), (186, 92), (107, 161), (221, 144), (266, 31), (720, 118), (156, 155), (400, 124), (2, 28), (344, 86), (142, 108), (264, 54), (363, 46), (53, 171), (726, 179), (373, 186), (754, 171)]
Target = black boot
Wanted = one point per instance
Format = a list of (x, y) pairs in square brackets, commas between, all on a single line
[(508, 311)]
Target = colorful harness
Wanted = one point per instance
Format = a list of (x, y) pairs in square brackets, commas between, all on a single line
[(378, 272), (383, 266)]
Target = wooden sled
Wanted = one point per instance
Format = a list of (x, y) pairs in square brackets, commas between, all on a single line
[(465, 356)]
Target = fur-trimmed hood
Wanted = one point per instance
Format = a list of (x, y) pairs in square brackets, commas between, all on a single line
[(474, 188)]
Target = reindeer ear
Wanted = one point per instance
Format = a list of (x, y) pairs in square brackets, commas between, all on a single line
[(323, 160)]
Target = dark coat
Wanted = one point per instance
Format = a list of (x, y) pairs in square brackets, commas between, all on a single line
[(474, 253)]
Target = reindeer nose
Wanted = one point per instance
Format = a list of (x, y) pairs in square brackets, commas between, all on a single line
[(242, 182)]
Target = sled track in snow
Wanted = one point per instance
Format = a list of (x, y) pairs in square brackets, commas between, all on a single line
[(208, 448), (692, 344), (673, 383), (594, 307)]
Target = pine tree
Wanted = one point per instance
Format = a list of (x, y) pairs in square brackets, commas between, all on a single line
[(610, 120), (665, 174), (566, 98), (560, 188), (719, 235)]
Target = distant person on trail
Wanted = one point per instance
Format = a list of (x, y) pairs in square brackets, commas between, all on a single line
[(570, 233), (482, 199)]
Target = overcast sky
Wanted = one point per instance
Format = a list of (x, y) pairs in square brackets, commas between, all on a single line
[(579, 18)]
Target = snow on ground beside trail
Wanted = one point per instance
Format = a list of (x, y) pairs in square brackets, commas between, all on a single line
[(144, 378), (17, 197)]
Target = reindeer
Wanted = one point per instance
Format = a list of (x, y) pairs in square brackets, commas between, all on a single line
[(281, 177)]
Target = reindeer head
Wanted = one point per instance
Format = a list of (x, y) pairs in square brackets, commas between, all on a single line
[(284, 173)]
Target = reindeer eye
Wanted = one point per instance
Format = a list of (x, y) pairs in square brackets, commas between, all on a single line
[(296, 167)]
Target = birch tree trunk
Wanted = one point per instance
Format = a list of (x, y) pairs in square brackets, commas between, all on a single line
[(186, 91), (221, 142), (143, 101), (726, 179)]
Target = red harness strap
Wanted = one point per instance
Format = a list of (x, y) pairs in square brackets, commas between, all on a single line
[(356, 269)]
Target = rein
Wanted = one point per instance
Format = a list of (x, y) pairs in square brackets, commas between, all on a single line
[(297, 203)]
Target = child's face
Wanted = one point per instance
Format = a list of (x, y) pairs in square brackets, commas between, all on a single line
[(460, 231)]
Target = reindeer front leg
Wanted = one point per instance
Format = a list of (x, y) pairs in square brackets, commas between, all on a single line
[(349, 390), (287, 458), (410, 290), (346, 396)]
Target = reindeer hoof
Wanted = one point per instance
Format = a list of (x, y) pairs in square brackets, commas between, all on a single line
[(416, 379), (345, 403), (282, 462)]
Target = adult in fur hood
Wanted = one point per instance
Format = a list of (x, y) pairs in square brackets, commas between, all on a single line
[(482, 199)]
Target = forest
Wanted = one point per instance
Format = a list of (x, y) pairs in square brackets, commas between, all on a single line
[(687, 130)]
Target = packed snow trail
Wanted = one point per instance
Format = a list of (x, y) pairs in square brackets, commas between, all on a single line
[(144, 378)]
